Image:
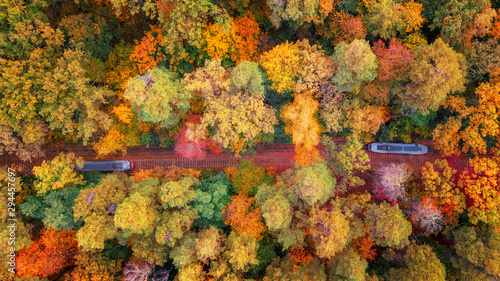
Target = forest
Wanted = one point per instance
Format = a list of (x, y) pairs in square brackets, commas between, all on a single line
[(212, 76)]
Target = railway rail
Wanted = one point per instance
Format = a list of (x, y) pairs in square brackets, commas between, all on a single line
[(280, 155)]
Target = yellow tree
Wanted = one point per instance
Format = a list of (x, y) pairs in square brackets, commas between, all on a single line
[(304, 127), (235, 107), (482, 190), (482, 123), (297, 66), (58, 173), (438, 180)]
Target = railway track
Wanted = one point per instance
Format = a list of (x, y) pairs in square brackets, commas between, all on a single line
[(280, 155)]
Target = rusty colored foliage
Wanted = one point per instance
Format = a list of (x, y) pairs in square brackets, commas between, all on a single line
[(50, 254), (243, 216)]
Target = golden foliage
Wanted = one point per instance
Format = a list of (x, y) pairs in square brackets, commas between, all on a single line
[(412, 16), (176, 173), (124, 112), (438, 180), (244, 217), (113, 141), (304, 127)]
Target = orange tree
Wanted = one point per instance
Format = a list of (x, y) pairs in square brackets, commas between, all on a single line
[(304, 127), (243, 216), (50, 254)]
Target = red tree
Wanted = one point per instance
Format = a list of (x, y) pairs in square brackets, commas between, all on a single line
[(193, 141)]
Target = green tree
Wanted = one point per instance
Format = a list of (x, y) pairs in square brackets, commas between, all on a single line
[(158, 96), (247, 75), (211, 196), (54, 208), (356, 64)]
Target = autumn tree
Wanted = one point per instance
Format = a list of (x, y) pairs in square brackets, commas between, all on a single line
[(426, 215), (112, 142), (478, 253), (347, 163), (393, 65), (186, 22), (296, 67), (119, 66), (276, 208), (242, 250), (91, 30), (192, 139), (359, 117), (247, 28), (342, 27), (388, 19), (286, 269), (58, 173), (299, 12), (70, 103), (50, 254), (158, 96), (390, 182), (356, 64), (347, 264), (483, 57), (96, 206), (304, 127), (481, 189), (473, 126), (435, 69), (459, 21), (248, 177), (439, 182), (95, 265), (238, 116), (244, 217), (420, 263), (312, 184), (330, 231), (220, 42), (387, 225), (147, 53), (52, 90)]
